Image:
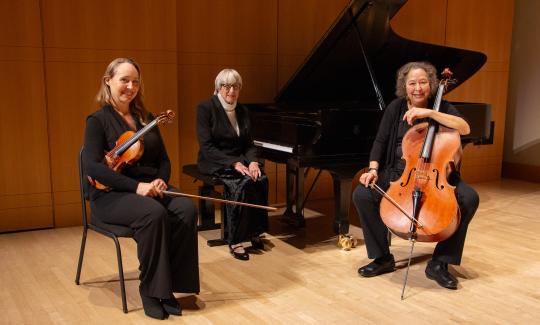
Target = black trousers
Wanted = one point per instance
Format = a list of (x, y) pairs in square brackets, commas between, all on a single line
[(242, 223), (166, 236), (375, 232)]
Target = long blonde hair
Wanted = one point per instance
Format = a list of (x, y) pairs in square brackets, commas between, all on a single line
[(104, 97)]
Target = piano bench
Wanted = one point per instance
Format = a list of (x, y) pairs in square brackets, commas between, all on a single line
[(207, 213)]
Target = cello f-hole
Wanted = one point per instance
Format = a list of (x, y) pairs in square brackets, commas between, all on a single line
[(404, 184), (437, 184)]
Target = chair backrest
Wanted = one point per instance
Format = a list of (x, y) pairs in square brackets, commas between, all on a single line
[(96, 224), (82, 187)]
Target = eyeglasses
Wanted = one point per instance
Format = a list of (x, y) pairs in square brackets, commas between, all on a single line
[(228, 86)]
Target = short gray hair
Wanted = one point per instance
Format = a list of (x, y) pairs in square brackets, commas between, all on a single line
[(227, 76), (401, 77)]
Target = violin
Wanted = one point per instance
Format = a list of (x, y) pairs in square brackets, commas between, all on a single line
[(130, 147), (421, 205)]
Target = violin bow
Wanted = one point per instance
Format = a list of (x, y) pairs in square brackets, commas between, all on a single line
[(171, 193)]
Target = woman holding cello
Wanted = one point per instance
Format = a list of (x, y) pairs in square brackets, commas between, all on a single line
[(164, 227), (416, 86)]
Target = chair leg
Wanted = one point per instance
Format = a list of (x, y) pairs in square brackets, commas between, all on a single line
[(81, 254), (121, 274)]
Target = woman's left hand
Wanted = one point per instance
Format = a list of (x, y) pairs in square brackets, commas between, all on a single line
[(415, 113), (254, 170)]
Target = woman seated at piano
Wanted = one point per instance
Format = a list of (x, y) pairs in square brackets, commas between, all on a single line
[(416, 86), (227, 152), (164, 228)]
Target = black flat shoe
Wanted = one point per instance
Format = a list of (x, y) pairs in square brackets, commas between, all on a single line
[(257, 243), (172, 306), (244, 256), (438, 271), (378, 266), (153, 308)]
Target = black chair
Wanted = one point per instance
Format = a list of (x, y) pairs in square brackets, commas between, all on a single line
[(111, 231)]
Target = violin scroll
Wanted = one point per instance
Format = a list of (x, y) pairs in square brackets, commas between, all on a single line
[(166, 117)]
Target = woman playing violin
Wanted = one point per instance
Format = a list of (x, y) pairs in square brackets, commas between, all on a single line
[(164, 228), (416, 86)]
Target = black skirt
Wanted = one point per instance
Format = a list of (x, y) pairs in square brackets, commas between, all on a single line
[(243, 223)]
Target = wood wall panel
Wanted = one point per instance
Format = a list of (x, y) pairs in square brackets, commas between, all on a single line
[(484, 26), (213, 35), (25, 184), (23, 135), (102, 24), (20, 24), (26, 218), (301, 24), (81, 38), (481, 25), (414, 22)]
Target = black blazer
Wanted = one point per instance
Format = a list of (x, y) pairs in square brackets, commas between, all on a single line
[(103, 129), (219, 144)]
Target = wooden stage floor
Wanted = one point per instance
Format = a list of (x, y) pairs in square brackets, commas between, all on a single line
[(303, 278)]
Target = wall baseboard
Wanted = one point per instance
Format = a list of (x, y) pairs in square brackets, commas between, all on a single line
[(529, 173)]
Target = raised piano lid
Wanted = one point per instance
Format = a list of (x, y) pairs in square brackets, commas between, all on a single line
[(336, 69)]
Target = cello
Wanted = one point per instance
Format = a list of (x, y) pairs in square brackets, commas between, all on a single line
[(421, 205)]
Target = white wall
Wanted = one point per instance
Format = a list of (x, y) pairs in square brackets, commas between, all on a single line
[(522, 143)]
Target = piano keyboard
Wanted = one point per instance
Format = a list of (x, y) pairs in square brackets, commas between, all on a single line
[(273, 146)]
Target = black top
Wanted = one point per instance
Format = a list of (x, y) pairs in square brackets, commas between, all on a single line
[(103, 128), (386, 148), (219, 144)]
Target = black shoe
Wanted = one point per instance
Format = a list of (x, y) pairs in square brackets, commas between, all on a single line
[(244, 256), (153, 308), (257, 243), (378, 266), (172, 306), (438, 271)]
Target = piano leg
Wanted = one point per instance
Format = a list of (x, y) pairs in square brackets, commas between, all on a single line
[(295, 177), (342, 201)]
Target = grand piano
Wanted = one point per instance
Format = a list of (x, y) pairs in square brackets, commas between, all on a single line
[(326, 116)]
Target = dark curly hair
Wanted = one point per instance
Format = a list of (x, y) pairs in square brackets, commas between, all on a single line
[(401, 77)]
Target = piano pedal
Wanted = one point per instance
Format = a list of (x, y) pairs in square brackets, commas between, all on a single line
[(346, 242)]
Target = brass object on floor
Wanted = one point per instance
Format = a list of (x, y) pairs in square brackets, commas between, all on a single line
[(346, 242)]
